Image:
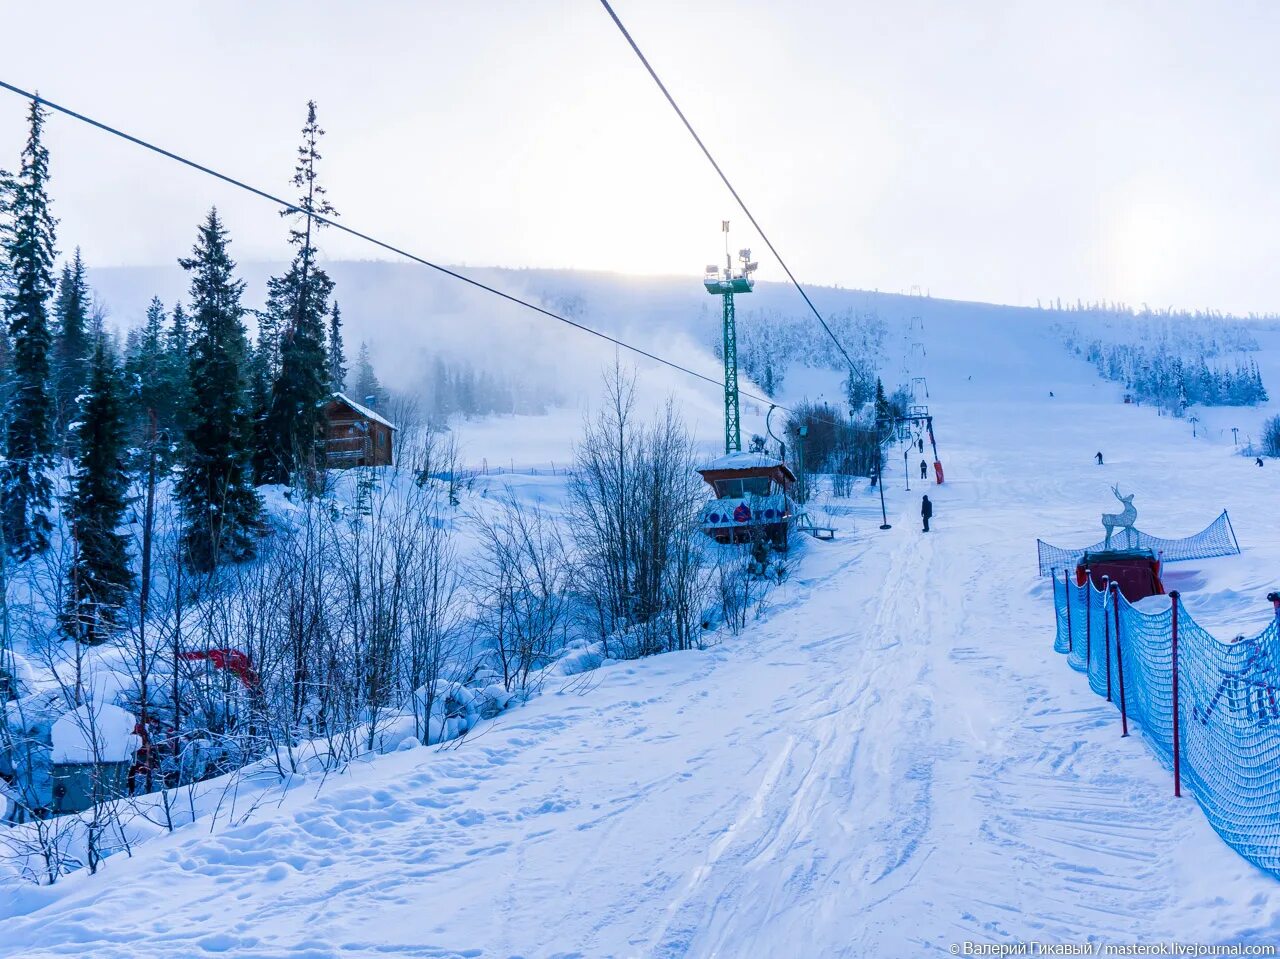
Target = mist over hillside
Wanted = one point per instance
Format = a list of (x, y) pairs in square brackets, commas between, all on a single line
[(413, 318)]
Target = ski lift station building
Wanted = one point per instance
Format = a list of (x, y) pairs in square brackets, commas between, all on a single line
[(753, 498)]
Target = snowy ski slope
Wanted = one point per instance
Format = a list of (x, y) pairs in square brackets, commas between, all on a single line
[(891, 762)]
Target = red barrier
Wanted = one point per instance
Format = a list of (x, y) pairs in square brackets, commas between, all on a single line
[(937, 469)]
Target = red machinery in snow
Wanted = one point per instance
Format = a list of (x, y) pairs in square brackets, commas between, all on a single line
[(1135, 571), (232, 660), (159, 736)]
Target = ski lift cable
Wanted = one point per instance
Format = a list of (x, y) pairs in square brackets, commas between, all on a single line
[(707, 153), (390, 247)]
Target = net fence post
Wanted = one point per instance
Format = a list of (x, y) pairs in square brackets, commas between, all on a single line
[(1088, 620), (1106, 632), (1124, 714), (1177, 734), (1232, 529), (1066, 589)]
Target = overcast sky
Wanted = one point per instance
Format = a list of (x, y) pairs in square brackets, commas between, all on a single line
[(995, 151)]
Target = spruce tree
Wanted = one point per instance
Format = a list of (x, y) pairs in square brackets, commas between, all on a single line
[(261, 364), (179, 337), (221, 510), (301, 299), (337, 355), (25, 488), (883, 414), (99, 580), (147, 372), (366, 384), (71, 344), (177, 364), (7, 186)]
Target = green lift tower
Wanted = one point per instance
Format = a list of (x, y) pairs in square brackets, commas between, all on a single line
[(724, 283)]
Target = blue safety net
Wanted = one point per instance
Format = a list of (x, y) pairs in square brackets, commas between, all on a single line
[(1228, 708), (1216, 539)]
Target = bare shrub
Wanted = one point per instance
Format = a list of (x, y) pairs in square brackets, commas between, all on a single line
[(634, 498), (1271, 436), (519, 583)]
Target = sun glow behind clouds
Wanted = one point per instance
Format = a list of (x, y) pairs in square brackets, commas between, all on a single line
[(1153, 237)]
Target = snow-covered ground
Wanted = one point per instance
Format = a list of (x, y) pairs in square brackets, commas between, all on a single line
[(892, 760)]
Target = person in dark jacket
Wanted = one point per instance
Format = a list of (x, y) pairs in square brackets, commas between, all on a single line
[(920, 443), (1259, 461), (1098, 456), (924, 470), (926, 512)]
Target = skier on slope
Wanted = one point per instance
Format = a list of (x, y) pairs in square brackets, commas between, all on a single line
[(1259, 461), (920, 443), (926, 511), (1098, 456), (924, 470)]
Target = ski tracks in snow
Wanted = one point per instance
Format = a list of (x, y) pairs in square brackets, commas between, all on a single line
[(835, 824)]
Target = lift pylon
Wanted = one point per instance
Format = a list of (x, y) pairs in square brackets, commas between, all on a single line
[(725, 283)]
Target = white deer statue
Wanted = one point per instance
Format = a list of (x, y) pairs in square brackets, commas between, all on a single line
[(1123, 519)]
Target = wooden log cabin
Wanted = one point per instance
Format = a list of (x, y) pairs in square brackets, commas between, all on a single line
[(355, 435)]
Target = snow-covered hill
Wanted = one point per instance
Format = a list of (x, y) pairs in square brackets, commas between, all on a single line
[(891, 762)]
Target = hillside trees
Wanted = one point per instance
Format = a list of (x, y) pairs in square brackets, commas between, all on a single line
[(25, 487), (1172, 360)]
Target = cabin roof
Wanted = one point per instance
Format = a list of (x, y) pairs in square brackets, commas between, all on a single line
[(362, 410), (742, 461), (733, 465)]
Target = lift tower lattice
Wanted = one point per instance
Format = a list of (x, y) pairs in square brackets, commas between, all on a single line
[(724, 283)]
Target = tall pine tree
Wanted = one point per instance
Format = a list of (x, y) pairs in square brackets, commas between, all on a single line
[(99, 580), (301, 299), (221, 510), (367, 388), (25, 488), (145, 366), (177, 363), (72, 344), (337, 354), (883, 414), (7, 186), (264, 366)]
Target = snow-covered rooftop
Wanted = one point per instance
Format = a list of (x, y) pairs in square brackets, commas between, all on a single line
[(742, 461), (101, 733), (363, 410)]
